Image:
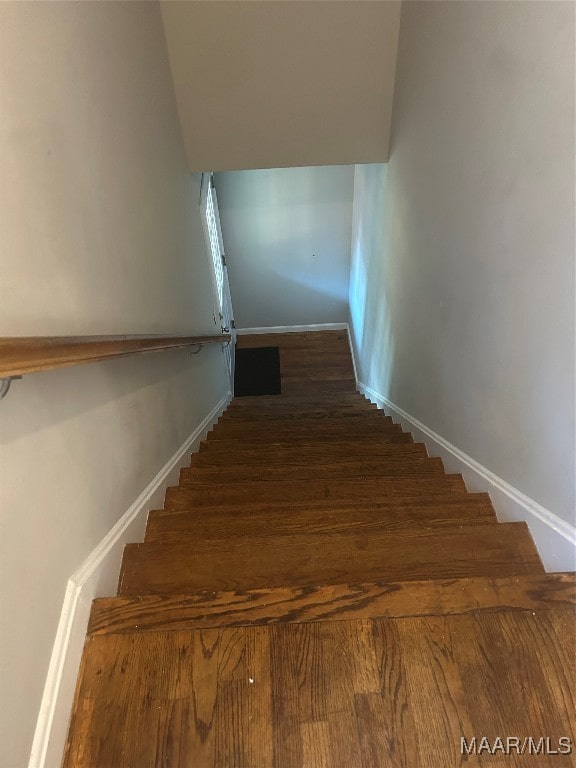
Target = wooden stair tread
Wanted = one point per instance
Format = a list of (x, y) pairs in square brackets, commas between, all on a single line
[(219, 443), (309, 371), (329, 375), (300, 432), (269, 404), (339, 385), (432, 504), (283, 404), (196, 526), (373, 421), (308, 443), (232, 521), (363, 693), (349, 397), (349, 416), (149, 613), (262, 412), (432, 507), (356, 489), (306, 454), (382, 467), (309, 559), (345, 402), (323, 341)]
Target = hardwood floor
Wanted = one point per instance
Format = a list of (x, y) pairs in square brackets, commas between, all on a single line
[(318, 593), (364, 692)]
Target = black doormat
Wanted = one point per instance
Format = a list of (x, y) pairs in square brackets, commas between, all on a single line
[(257, 372)]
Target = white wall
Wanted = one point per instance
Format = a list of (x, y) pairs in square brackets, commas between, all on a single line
[(99, 234), (462, 277), (283, 83), (287, 240)]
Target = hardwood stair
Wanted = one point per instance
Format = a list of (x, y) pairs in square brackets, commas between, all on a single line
[(318, 593)]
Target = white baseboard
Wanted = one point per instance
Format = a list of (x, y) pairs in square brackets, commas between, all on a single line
[(96, 577), (292, 328), (353, 356), (555, 539)]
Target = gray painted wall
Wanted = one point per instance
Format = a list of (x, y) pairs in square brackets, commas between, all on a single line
[(99, 233), (462, 277), (287, 238)]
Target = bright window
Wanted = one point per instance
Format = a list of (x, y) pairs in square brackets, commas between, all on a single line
[(215, 247)]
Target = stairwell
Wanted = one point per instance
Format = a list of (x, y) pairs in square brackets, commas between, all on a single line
[(318, 592)]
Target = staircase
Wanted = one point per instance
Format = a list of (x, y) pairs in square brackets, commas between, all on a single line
[(318, 593)]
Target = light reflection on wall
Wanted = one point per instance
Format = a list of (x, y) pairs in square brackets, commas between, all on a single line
[(369, 294)]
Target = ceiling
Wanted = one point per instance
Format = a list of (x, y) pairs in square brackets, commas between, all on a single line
[(290, 83)]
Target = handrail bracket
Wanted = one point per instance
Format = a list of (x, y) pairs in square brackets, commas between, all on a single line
[(5, 385)]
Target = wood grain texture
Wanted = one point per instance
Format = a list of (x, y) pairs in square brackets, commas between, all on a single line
[(310, 447), (323, 341), (112, 615), (371, 423), (265, 413), (21, 355), (284, 517), (276, 419), (327, 401), (367, 692), (309, 364), (233, 443), (318, 592), (383, 466), (494, 675), (416, 507), (279, 454), (309, 559), (369, 489)]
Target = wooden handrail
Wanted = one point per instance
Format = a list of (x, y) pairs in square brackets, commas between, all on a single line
[(28, 354)]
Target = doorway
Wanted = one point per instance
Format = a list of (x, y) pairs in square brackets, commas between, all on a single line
[(222, 300)]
